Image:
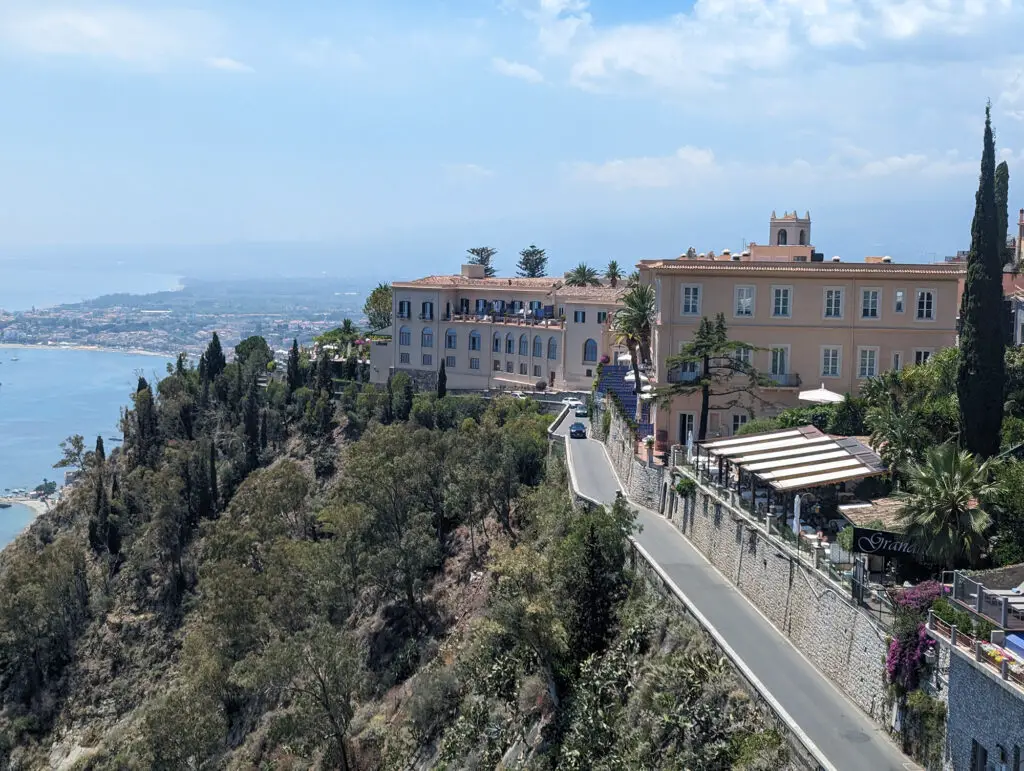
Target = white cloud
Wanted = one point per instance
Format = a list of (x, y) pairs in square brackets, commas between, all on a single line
[(467, 172), (517, 70), (718, 39), (114, 32), (229, 65), (691, 166)]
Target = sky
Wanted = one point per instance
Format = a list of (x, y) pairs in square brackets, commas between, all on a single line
[(385, 137)]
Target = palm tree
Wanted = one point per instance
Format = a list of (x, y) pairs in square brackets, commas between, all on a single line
[(943, 511), (898, 434), (633, 279), (612, 273), (582, 275), (632, 327)]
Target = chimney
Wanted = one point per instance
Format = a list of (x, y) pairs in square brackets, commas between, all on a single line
[(836, 259), (473, 271), (887, 259)]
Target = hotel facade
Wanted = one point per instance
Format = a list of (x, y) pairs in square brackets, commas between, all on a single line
[(813, 322), (497, 333)]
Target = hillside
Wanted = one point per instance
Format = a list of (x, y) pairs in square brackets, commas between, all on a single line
[(266, 578)]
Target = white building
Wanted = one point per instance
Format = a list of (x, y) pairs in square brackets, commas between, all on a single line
[(496, 332)]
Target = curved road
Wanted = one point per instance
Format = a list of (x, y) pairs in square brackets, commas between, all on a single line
[(842, 733)]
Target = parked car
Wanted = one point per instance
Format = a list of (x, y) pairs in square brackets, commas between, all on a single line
[(517, 395), (577, 431), (582, 411)]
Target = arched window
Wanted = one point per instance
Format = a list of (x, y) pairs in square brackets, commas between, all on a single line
[(552, 348), (782, 238), (510, 344), (474, 341), (404, 336), (538, 347), (803, 238), (524, 345), (590, 350), (497, 343), (427, 338), (451, 339)]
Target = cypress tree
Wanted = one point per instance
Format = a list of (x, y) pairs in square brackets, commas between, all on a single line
[(982, 366), (1002, 209), (251, 423), (294, 375), (215, 361), (442, 381), (101, 454), (324, 379), (263, 430)]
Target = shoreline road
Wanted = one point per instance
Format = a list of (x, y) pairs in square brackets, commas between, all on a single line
[(840, 731)]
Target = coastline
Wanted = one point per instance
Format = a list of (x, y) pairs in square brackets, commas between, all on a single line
[(98, 348), (35, 505)]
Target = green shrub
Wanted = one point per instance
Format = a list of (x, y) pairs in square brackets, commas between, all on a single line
[(758, 426), (685, 487), (606, 423), (433, 703)]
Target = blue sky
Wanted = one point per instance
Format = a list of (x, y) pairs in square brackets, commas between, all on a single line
[(392, 135)]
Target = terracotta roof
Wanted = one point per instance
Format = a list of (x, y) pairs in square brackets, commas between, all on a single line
[(580, 294), (886, 510), (480, 283), (594, 294), (937, 270)]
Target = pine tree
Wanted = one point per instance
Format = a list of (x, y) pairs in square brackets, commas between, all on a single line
[(982, 367), (215, 361), (1002, 210), (442, 381), (294, 374), (482, 255), (533, 262)]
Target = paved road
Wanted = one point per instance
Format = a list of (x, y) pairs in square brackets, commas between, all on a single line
[(842, 733)]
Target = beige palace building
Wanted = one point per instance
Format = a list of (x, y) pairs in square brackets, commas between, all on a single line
[(815, 322), (496, 332)]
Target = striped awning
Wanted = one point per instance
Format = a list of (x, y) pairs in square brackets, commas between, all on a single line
[(798, 458)]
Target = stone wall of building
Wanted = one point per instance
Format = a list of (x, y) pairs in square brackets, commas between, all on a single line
[(983, 709)]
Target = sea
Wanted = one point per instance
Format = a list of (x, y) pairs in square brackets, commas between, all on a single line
[(24, 287), (49, 394)]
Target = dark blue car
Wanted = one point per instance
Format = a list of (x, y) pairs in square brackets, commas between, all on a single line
[(577, 431)]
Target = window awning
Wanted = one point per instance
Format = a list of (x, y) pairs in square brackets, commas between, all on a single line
[(798, 458)]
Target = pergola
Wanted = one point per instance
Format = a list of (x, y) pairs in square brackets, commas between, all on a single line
[(791, 459)]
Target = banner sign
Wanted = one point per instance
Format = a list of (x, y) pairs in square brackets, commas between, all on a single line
[(882, 543)]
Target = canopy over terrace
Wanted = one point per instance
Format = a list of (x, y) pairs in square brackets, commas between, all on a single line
[(795, 458)]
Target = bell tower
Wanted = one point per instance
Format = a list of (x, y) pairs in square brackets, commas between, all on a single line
[(790, 229)]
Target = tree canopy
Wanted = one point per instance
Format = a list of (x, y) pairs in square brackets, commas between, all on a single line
[(582, 275), (533, 262), (483, 255), (378, 307)]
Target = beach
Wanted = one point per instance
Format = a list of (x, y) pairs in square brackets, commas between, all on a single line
[(36, 506)]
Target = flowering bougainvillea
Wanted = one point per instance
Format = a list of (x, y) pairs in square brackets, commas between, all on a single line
[(919, 598), (905, 660)]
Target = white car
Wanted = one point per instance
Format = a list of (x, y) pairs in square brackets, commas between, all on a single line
[(517, 395), (571, 402)]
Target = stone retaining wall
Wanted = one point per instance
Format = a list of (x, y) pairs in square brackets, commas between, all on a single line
[(643, 484), (821, 622)]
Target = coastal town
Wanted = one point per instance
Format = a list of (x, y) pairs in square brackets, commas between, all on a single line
[(172, 322)]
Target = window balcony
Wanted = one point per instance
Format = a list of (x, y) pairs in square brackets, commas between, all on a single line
[(507, 319), (678, 376), (426, 317), (783, 379)]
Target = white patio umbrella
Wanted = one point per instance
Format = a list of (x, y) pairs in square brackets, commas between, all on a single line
[(646, 397), (630, 377), (796, 514), (647, 389), (623, 357), (821, 396), (689, 445)]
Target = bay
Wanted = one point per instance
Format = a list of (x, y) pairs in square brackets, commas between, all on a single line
[(49, 394), (13, 521)]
